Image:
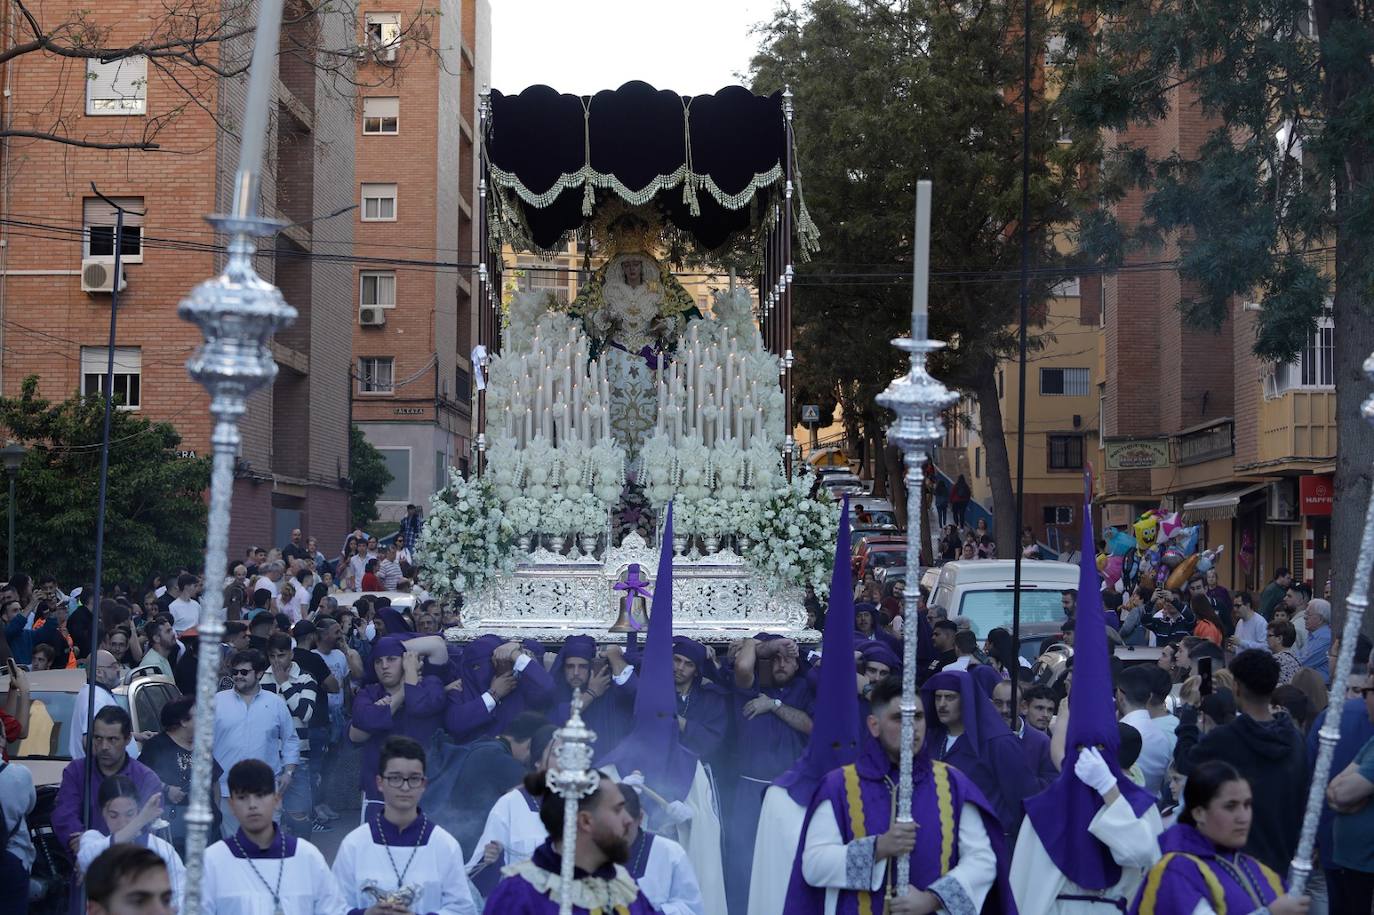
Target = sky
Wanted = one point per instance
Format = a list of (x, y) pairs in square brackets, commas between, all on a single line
[(692, 47)]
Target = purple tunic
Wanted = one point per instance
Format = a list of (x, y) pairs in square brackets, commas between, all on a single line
[(66, 814), (1037, 747), (466, 717), (517, 896), (937, 825), (1193, 870), (420, 717)]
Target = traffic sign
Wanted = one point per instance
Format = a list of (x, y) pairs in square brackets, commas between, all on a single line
[(811, 413)]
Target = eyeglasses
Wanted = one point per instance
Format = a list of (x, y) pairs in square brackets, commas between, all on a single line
[(396, 780), (243, 671)]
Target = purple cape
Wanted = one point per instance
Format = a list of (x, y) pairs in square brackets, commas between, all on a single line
[(1061, 813), (1176, 883), (835, 719), (877, 776), (517, 896), (653, 746)]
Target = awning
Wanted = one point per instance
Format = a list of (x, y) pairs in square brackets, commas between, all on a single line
[(1218, 507)]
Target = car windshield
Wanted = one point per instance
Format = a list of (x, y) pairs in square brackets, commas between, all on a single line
[(50, 717), (883, 558), (987, 610)]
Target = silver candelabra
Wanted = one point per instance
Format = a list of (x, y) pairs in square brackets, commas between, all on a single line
[(237, 311), (917, 399), (574, 779), (1330, 734)]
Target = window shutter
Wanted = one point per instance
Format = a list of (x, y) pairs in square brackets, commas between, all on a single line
[(128, 360), (117, 86), (380, 107), (96, 212)]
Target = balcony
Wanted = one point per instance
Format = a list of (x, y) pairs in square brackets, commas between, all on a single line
[(1298, 425)]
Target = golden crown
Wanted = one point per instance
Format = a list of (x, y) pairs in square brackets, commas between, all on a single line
[(619, 228)]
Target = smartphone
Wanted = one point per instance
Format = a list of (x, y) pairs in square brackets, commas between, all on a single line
[(12, 669), (1204, 669)]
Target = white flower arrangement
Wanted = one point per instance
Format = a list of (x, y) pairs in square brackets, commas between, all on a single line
[(590, 514), (524, 515), (714, 518), (466, 539), (658, 467), (793, 536)]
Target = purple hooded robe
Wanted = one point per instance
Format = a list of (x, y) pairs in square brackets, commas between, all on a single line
[(1193, 870)]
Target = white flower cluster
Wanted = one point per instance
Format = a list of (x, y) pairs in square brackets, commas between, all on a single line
[(572, 470), (466, 539), (691, 472), (563, 514), (793, 535)]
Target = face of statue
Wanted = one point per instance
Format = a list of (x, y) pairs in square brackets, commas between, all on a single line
[(633, 271)]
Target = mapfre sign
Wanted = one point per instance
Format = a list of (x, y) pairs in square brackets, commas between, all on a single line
[(1316, 494)]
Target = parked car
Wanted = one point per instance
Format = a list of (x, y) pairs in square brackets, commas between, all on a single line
[(884, 553), (877, 512), (401, 600), (837, 485), (981, 589), (53, 694), (872, 541), (857, 535)]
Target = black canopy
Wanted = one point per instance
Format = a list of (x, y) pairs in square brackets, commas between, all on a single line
[(714, 163)]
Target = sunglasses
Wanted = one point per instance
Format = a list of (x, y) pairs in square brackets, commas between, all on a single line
[(243, 671)]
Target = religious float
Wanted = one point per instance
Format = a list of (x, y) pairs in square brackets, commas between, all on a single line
[(595, 414)]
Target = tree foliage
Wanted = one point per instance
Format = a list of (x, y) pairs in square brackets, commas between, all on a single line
[(369, 476), (889, 92), (1275, 205), (155, 508)]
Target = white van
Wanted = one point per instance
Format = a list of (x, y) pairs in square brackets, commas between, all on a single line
[(981, 589)]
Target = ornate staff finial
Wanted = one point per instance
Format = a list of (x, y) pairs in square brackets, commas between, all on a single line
[(917, 399), (574, 779)]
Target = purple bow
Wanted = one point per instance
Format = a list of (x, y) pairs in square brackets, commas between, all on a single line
[(633, 586)]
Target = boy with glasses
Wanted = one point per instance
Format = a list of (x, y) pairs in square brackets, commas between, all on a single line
[(400, 860)]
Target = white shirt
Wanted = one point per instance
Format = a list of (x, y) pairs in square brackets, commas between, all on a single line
[(1037, 883), (337, 662), (1253, 633), (515, 826), (185, 614), (240, 886), (1155, 752), (17, 800), (76, 731), (434, 869), (780, 825), (669, 882), (94, 842), (825, 860), (264, 582)]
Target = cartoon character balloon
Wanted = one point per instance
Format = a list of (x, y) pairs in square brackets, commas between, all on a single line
[(1146, 531)]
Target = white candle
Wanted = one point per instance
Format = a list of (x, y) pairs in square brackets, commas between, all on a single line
[(529, 427), (729, 414)]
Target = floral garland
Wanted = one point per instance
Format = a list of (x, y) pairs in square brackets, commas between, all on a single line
[(466, 539), (602, 327), (793, 535)]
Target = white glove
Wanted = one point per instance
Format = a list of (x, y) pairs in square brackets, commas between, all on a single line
[(634, 780), (1092, 771), (677, 813)]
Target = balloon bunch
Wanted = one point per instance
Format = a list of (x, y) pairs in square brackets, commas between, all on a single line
[(1157, 548)]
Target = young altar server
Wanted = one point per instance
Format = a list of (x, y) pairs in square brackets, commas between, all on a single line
[(400, 857), (834, 743), (659, 865), (601, 884), (954, 846), (671, 773), (513, 829), (261, 870), (1089, 838), (967, 732)]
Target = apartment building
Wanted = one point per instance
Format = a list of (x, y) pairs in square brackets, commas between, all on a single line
[(416, 187), (57, 235)]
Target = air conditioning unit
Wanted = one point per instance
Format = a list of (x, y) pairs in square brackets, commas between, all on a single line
[(371, 317), (97, 275)]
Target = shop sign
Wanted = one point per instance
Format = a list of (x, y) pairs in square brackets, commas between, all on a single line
[(1138, 454), (409, 411), (1316, 494)]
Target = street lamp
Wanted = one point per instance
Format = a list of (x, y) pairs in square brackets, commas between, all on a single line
[(13, 455)]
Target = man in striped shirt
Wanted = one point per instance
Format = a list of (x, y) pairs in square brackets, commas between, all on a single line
[(389, 570), (301, 694)]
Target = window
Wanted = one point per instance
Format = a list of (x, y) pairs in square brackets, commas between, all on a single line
[(383, 34), (1064, 382), (98, 222), (379, 202), (381, 115), (378, 289), (1067, 288), (376, 375), (1065, 452), (117, 86), (462, 387), (540, 273), (397, 461), (440, 470), (128, 372), (1314, 367), (977, 463)]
